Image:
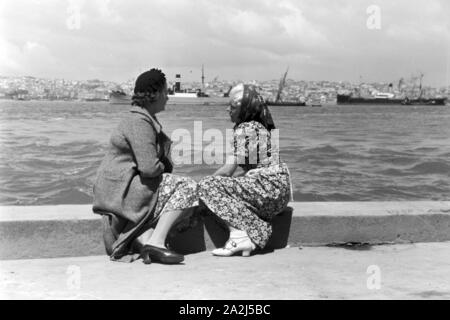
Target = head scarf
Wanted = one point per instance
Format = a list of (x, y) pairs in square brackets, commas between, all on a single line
[(253, 106), (147, 85)]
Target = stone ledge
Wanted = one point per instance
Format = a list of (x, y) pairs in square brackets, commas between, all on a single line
[(73, 230)]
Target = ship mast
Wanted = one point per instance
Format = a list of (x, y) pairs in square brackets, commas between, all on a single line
[(281, 86), (420, 85), (203, 79), (400, 86)]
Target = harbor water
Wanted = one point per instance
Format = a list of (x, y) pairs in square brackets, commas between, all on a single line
[(50, 150)]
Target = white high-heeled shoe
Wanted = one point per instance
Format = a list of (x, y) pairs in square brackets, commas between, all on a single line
[(235, 245)]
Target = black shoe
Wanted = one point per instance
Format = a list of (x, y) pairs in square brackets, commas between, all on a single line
[(154, 254)]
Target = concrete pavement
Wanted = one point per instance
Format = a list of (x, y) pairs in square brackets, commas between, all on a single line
[(400, 271)]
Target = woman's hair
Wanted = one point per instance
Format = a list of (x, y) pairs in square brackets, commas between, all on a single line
[(253, 106), (147, 85)]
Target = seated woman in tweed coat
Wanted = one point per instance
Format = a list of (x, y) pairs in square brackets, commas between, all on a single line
[(134, 191)]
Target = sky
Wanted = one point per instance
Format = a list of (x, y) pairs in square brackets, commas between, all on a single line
[(336, 40)]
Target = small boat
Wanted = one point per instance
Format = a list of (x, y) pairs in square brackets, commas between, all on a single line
[(119, 97), (286, 103), (95, 99)]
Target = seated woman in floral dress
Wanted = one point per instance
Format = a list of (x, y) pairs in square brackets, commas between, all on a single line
[(248, 202)]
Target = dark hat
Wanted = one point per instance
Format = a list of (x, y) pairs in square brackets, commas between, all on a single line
[(150, 81)]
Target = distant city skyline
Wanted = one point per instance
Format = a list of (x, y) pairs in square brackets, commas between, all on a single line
[(32, 88), (341, 40), (171, 79), (128, 82)]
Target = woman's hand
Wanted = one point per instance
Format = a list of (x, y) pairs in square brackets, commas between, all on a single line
[(228, 168), (251, 173), (239, 172), (168, 167)]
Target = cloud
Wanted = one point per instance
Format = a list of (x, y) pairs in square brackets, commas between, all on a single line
[(31, 56), (253, 39)]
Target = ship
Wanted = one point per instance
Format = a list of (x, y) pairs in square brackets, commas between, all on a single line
[(349, 99), (390, 98), (176, 95), (176, 98), (95, 99), (286, 103), (278, 102), (119, 97)]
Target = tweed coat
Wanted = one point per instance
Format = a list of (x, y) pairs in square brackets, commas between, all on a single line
[(127, 181)]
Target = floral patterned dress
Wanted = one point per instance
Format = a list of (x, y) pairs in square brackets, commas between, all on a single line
[(251, 201), (175, 193)]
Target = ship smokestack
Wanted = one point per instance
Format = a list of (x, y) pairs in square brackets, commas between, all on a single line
[(178, 83)]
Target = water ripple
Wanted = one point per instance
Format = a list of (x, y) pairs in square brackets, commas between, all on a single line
[(50, 151)]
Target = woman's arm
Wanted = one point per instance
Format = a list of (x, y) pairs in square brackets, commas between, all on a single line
[(142, 139), (228, 168), (239, 172)]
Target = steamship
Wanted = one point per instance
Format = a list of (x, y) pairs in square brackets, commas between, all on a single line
[(177, 96)]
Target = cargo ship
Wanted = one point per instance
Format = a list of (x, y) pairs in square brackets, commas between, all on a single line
[(390, 98), (349, 99)]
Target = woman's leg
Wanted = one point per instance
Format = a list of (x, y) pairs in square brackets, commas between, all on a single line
[(144, 238), (236, 233), (108, 235), (157, 237), (176, 197), (111, 227), (227, 200), (152, 241), (238, 242)]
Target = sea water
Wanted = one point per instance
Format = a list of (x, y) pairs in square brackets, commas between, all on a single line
[(50, 150)]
